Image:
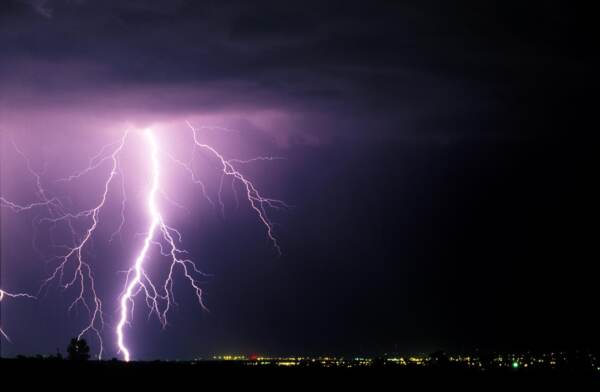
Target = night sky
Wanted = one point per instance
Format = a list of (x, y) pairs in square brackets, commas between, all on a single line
[(438, 163)]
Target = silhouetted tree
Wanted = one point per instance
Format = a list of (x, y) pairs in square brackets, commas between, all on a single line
[(78, 350)]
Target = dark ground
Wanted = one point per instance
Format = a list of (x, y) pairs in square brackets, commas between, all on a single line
[(195, 376)]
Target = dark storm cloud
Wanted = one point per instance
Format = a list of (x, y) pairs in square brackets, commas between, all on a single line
[(422, 68)]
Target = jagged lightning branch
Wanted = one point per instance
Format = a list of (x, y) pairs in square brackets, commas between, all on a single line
[(83, 271), (256, 200), (6, 294)]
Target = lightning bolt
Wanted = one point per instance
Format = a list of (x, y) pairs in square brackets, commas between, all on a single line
[(135, 283), (158, 297)]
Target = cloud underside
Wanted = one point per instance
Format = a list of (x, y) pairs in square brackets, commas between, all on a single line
[(356, 68)]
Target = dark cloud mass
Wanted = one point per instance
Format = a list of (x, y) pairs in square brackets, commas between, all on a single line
[(395, 68), (439, 158)]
